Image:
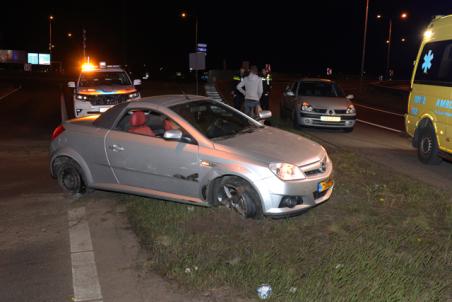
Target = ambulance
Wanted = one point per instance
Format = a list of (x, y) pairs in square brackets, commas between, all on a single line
[(429, 116), (101, 87)]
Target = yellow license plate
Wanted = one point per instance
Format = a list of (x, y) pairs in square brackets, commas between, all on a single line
[(324, 185), (330, 118)]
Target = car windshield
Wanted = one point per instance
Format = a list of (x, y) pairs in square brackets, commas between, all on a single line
[(322, 89), (89, 79), (215, 120)]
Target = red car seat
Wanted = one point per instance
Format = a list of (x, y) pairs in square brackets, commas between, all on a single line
[(169, 125), (138, 124)]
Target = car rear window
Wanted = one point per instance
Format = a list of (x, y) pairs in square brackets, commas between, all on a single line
[(321, 89), (108, 118)]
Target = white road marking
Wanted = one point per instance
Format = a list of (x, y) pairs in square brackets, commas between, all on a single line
[(380, 126), (84, 272), (212, 92), (11, 92), (379, 110)]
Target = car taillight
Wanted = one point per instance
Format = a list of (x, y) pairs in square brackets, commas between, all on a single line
[(58, 130)]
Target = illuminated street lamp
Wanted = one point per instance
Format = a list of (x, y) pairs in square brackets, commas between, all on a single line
[(50, 33), (69, 35), (402, 16), (184, 15)]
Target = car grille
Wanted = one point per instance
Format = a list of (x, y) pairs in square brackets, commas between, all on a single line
[(315, 168), (111, 99), (336, 111), (324, 123), (313, 172)]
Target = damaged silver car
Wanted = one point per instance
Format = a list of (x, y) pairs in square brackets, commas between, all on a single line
[(193, 150)]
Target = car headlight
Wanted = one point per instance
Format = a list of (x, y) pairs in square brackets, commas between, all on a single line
[(306, 107), (81, 97), (351, 109), (134, 95), (286, 171)]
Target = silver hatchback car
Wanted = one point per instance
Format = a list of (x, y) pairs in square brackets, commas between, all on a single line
[(318, 103), (195, 150)]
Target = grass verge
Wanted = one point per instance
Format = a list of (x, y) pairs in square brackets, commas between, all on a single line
[(381, 237)]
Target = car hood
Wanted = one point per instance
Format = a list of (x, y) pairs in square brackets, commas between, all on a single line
[(273, 145), (326, 102), (107, 89)]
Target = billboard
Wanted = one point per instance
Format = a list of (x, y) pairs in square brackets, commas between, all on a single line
[(44, 59), (12, 56), (33, 58)]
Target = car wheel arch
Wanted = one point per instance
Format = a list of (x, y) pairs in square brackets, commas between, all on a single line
[(87, 176), (219, 177), (423, 124)]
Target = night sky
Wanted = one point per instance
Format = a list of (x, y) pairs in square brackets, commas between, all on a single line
[(294, 36)]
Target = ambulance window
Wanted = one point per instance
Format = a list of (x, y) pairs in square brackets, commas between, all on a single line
[(435, 64)]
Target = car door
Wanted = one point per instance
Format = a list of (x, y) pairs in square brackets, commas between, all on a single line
[(151, 162), (290, 96)]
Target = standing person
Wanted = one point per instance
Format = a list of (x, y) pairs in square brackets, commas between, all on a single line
[(237, 96), (266, 86), (253, 91)]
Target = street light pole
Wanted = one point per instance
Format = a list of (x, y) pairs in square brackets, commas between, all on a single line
[(50, 34), (196, 46), (363, 57), (388, 58)]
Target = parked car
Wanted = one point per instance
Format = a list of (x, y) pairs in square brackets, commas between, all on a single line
[(429, 116), (318, 103), (195, 150)]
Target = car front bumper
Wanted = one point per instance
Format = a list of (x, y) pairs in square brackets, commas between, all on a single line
[(272, 191), (316, 120), (83, 108)]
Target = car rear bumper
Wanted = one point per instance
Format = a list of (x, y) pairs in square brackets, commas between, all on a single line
[(315, 120)]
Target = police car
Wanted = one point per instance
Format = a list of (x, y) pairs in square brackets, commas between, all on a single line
[(101, 87)]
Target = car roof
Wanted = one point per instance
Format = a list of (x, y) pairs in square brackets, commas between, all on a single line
[(107, 119), (172, 99), (316, 80), (108, 69)]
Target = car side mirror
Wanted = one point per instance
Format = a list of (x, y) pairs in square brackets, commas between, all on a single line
[(350, 97), (173, 135), (136, 82), (71, 84), (266, 114), (290, 93)]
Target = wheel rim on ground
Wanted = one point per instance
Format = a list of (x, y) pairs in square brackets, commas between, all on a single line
[(426, 145), (69, 179), (231, 196)]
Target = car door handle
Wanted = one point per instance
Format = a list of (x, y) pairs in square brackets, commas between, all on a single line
[(116, 148)]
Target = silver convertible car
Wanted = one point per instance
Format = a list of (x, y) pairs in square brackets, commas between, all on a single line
[(194, 150), (312, 102)]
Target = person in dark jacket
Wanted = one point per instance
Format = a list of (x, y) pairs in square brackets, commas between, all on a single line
[(266, 86), (238, 97)]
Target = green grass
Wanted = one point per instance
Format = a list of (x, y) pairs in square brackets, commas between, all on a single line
[(381, 237)]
